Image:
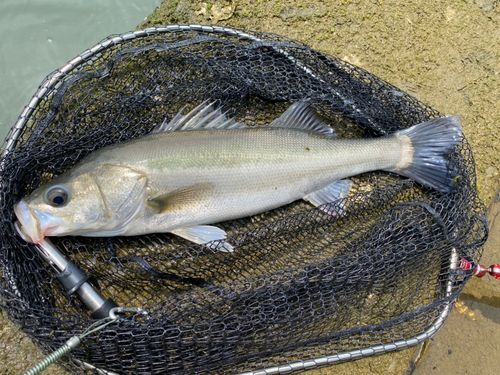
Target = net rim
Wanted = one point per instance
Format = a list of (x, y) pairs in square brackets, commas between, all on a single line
[(53, 78), (113, 40)]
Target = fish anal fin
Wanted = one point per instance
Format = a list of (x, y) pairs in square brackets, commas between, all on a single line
[(331, 193), (205, 235), (302, 115), (183, 199)]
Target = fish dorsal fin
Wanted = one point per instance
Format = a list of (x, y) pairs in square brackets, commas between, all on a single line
[(301, 115), (204, 117)]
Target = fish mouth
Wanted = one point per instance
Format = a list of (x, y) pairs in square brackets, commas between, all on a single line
[(37, 224)]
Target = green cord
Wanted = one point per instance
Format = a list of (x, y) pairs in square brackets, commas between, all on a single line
[(66, 348), (75, 341), (50, 359)]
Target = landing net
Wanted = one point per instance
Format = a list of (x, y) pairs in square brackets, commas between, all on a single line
[(302, 288)]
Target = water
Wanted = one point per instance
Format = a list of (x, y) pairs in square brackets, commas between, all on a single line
[(41, 36)]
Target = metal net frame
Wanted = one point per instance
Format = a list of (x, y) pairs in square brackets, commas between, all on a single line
[(303, 288)]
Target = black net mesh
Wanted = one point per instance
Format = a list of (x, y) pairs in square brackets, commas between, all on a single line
[(301, 284)]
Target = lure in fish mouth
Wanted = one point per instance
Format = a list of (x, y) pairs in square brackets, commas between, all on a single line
[(202, 168)]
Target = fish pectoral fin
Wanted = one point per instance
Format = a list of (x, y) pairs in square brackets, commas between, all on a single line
[(204, 235), (331, 193), (183, 199)]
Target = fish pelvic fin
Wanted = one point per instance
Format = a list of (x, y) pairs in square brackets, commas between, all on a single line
[(187, 198), (426, 148)]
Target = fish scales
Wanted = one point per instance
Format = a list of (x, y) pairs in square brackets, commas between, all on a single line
[(252, 170)]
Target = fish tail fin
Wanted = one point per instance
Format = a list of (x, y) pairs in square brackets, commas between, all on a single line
[(427, 155)]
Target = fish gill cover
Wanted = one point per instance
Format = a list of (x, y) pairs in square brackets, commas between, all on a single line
[(301, 284)]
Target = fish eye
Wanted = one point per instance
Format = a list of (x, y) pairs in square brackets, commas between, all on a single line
[(56, 196)]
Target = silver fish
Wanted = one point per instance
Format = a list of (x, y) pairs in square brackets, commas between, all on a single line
[(203, 168)]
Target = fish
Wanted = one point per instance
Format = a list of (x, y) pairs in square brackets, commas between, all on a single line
[(203, 168)]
